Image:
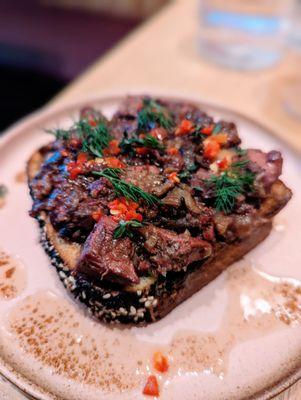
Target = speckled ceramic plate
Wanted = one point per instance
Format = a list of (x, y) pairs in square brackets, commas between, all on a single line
[(238, 338)]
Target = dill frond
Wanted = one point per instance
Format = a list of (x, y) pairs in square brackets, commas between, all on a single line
[(125, 189)]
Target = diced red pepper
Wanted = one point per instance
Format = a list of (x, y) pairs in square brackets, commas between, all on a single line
[(186, 126), (131, 214), (114, 147), (223, 164), (82, 158), (151, 387), (96, 215), (220, 138), (212, 145), (172, 151), (141, 150), (174, 177), (122, 208), (211, 149), (158, 133), (74, 169), (160, 362), (207, 130), (92, 121), (113, 162)]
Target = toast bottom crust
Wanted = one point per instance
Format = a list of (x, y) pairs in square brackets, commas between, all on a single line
[(149, 305)]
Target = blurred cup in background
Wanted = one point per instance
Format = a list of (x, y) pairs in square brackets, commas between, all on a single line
[(244, 34)]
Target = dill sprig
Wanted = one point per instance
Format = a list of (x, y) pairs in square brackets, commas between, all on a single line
[(151, 142), (148, 141), (125, 189), (217, 129), (240, 152), (230, 184), (94, 138), (151, 114), (125, 228)]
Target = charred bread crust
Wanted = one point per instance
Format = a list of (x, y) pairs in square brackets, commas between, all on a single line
[(143, 305)]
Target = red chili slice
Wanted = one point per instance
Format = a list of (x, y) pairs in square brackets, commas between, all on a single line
[(151, 387)]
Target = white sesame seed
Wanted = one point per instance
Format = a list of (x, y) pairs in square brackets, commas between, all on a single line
[(106, 296), (123, 311), (148, 304), (142, 300), (155, 303)]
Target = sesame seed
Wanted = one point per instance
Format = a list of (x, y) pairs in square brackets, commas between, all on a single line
[(155, 303), (106, 296), (148, 304), (142, 300), (133, 310)]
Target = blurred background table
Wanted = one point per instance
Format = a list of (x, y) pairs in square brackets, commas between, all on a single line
[(162, 55)]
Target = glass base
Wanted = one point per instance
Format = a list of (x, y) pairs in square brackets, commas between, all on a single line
[(239, 56)]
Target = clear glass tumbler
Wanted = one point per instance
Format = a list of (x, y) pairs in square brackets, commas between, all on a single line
[(243, 34)]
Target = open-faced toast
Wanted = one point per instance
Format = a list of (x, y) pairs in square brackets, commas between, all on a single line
[(140, 212)]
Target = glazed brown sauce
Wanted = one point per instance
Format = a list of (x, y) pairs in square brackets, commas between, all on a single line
[(55, 333), (12, 277)]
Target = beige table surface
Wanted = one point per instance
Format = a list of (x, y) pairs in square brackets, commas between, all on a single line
[(161, 55)]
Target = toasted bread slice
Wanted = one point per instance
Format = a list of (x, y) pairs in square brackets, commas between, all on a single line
[(152, 298)]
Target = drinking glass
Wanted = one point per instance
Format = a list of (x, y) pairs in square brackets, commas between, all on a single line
[(243, 34)]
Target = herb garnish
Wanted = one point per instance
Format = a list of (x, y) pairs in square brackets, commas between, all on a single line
[(197, 133), (94, 138), (124, 228), (125, 189), (230, 184), (217, 129), (240, 152), (148, 141), (151, 114), (186, 174)]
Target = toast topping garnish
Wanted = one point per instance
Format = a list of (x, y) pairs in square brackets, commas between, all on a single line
[(154, 191)]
